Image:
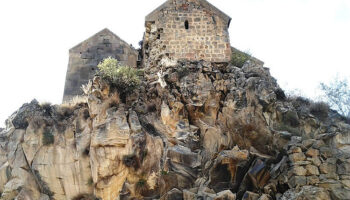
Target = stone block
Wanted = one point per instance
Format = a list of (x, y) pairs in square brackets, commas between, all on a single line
[(326, 152), (327, 168), (295, 149), (299, 171), (318, 144), (297, 181), (312, 170), (295, 157), (346, 183), (312, 152), (250, 196), (315, 161), (340, 193), (343, 169), (312, 180)]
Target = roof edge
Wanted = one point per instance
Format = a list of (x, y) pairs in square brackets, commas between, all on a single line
[(96, 34), (205, 3)]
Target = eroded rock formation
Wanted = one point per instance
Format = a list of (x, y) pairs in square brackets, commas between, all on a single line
[(210, 131)]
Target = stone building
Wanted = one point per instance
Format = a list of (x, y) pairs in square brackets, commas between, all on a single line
[(187, 29), (84, 58)]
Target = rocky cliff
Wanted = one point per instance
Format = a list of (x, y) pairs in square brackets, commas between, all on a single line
[(192, 130)]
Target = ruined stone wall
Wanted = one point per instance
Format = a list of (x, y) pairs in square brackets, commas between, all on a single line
[(188, 31), (84, 58)]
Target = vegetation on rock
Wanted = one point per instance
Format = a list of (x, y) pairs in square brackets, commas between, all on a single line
[(239, 58), (48, 137), (125, 78)]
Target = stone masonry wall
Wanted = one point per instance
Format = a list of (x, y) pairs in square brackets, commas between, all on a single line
[(313, 163), (188, 31), (84, 58)]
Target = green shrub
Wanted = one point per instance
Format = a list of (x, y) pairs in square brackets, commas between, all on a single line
[(48, 137), (90, 182), (125, 78), (164, 173), (8, 172), (239, 58), (319, 110), (141, 185)]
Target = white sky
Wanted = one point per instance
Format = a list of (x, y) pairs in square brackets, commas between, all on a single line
[(303, 42)]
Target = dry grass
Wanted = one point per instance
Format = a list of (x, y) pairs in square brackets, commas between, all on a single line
[(77, 100), (320, 110)]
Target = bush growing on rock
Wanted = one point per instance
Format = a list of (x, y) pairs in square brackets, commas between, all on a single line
[(90, 182), (141, 185), (124, 78), (320, 110), (48, 137), (239, 58)]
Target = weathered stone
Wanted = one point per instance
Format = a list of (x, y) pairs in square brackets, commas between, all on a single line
[(324, 177), (250, 196), (226, 194), (315, 161), (301, 163), (188, 195), (312, 170), (346, 183), (297, 181), (264, 197), (299, 171), (329, 184), (183, 155), (295, 149), (295, 157), (306, 193), (342, 141), (318, 144), (332, 161), (312, 152), (339, 193), (312, 180), (328, 168), (326, 152), (174, 194), (344, 168), (308, 143)]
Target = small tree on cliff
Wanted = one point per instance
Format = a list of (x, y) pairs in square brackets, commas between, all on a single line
[(124, 78), (337, 94)]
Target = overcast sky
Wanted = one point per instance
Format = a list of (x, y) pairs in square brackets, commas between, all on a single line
[(303, 42)]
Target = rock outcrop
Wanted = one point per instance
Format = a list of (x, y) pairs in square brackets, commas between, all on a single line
[(209, 131)]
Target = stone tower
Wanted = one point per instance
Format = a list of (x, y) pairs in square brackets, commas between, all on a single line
[(188, 29), (84, 58)]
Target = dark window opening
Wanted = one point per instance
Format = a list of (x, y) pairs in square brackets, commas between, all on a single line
[(158, 37), (187, 26)]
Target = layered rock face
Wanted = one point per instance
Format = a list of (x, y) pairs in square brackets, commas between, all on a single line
[(192, 130)]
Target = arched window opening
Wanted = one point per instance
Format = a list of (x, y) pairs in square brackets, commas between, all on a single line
[(187, 26)]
